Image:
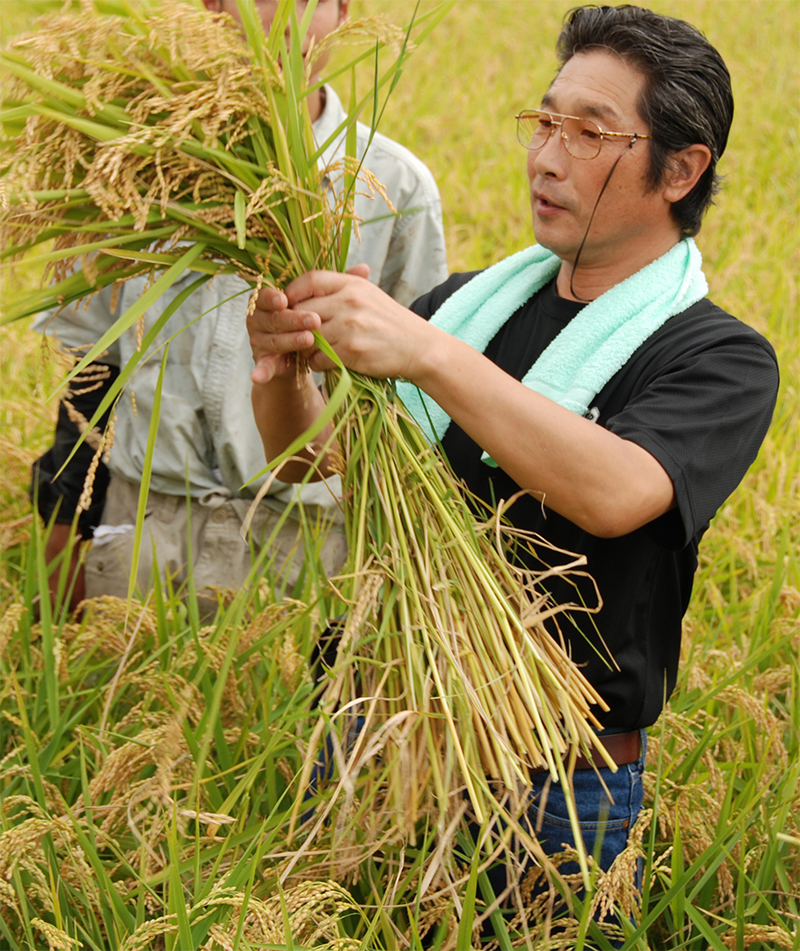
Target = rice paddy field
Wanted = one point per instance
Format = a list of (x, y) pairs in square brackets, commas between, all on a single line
[(148, 761)]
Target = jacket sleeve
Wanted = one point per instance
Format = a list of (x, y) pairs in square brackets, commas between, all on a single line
[(417, 259)]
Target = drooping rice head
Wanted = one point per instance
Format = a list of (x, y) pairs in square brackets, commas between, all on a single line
[(161, 126)]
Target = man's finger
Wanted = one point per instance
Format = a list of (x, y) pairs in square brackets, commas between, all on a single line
[(271, 299), (264, 370), (316, 284), (281, 343), (282, 322)]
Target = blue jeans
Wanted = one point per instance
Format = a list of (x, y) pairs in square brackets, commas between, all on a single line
[(603, 824), (600, 819)]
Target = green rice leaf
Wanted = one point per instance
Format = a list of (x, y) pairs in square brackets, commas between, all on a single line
[(135, 311), (147, 470)]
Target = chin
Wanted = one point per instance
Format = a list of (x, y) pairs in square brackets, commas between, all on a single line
[(551, 243)]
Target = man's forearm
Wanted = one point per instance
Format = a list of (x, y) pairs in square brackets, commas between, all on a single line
[(606, 485)]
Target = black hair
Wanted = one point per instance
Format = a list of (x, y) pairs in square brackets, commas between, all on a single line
[(687, 97)]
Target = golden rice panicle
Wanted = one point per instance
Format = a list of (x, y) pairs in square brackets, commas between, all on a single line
[(54, 803), (57, 940), (694, 811), (144, 935), (758, 936), (9, 624), (163, 122), (185, 76), (111, 623), (315, 911), (20, 851), (616, 890)]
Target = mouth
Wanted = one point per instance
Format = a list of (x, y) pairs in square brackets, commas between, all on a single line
[(546, 205)]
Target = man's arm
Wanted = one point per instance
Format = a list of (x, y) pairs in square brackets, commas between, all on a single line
[(607, 485), (284, 407)]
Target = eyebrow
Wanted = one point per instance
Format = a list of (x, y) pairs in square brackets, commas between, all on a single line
[(590, 110)]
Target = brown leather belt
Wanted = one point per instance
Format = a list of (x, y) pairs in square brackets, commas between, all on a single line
[(623, 748)]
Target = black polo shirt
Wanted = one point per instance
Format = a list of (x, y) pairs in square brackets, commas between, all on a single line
[(698, 395)]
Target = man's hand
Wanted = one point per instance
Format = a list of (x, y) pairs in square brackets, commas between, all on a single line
[(371, 333), (285, 405), (279, 331), (277, 335)]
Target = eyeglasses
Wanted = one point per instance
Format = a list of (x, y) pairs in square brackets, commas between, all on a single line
[(582, 138)]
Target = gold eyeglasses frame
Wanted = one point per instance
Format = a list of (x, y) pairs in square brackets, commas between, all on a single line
[(556, 120)]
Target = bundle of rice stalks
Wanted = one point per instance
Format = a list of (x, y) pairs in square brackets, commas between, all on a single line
[(443, 689)]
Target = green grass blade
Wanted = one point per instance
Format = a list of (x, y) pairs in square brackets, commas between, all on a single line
[(138, 308), (147, 470), (239, 205)]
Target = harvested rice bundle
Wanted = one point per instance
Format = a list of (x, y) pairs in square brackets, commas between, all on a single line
[(444, 689)]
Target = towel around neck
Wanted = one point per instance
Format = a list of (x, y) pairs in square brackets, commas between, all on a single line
[(590, 349)]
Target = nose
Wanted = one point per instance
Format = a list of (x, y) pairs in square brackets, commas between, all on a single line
[(551, 159)]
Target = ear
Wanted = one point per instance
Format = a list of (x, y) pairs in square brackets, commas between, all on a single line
[(344, 10), (684, 170)]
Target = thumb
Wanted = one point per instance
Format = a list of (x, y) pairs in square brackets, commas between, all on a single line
[(359, 270), (264, 370)]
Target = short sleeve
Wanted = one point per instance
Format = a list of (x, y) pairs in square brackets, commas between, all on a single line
[(703, 415), (427, 304)]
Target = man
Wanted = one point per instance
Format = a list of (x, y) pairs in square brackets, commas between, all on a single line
[(207, 440), (643, 403)]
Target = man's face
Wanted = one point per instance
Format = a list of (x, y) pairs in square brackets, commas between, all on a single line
[(327, 16), (630, 218)]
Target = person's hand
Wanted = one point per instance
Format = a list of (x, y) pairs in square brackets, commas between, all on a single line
[(58, 542), (277, 335), (370, 332), (279, 332)]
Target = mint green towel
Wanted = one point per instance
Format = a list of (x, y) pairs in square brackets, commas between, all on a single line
[(596, 343)]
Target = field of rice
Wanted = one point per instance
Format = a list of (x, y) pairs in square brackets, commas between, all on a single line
[(146, 761)]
